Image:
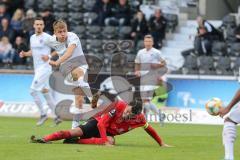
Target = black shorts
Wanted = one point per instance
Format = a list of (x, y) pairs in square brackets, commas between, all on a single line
[(90, 129)]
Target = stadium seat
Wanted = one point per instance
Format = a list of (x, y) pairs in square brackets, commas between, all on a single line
[(134, 4), (75, 5), (61, 15), (94, 32), (29, 4), (190, 65), (219, 48), (110, 46), (89, 17), (139, 45), (229, 21), (124, 32), (95, 63), (94, 46), (172, 22), (75, 18), (84, 45), (119, 60), (127, 46), (80, 31), (206, 65), (223, 66), (230, 35), (234, 49), (88, 5), (109, 32), (236, 66), (43, 4), (60, 5)]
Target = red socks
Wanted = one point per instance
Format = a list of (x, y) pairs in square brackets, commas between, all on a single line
[(57, 136), (91, 141)]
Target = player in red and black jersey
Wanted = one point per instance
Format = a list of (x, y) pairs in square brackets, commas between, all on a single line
[(102, 129)]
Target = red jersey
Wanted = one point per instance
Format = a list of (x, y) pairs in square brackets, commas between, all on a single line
[(115, 124)]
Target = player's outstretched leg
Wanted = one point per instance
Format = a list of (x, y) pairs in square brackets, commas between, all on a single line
[(82, 89), (146, 109), (67, 134), (229, 135), (77, 110), (50, 101)]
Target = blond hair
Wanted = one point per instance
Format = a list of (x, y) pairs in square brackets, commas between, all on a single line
[(59, 24), (18, 15)]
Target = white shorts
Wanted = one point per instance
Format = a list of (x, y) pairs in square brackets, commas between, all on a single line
[(41, 80), (69, 79), (235, 115), (147, 91), (148, 84)]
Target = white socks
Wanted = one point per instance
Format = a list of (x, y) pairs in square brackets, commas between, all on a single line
[(76, 120), (229, 136), (76, 111), (38, 102), (48, 97), (85, 87)]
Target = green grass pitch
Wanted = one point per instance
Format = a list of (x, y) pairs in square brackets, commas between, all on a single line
[(192, 142)]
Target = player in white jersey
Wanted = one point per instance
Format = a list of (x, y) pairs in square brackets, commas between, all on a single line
[(147, 64), (68, 46), (42, 70), (229, 129)]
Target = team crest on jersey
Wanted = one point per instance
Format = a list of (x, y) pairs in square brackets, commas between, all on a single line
[(112, 112), (40, 41)]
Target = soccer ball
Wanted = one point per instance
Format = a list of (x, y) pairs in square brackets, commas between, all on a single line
[(213, 106)]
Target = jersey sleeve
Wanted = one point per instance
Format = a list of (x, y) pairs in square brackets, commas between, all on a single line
[(120, 106), (73, 39), (50, 41), (160, 57), (103, 123)]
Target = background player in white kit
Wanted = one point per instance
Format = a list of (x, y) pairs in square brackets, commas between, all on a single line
[(229, 129), (147, 63), (42, 70), (68, 46)]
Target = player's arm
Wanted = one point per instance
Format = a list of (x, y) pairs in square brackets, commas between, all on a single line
[(103, 123), (137, 69), (234, 101), (48, 57), (65, 56), (149, 129), (25, 54)]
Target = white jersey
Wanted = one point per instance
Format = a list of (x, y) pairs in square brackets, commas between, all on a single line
[(146, 58), (39, 48), (61, 48)]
